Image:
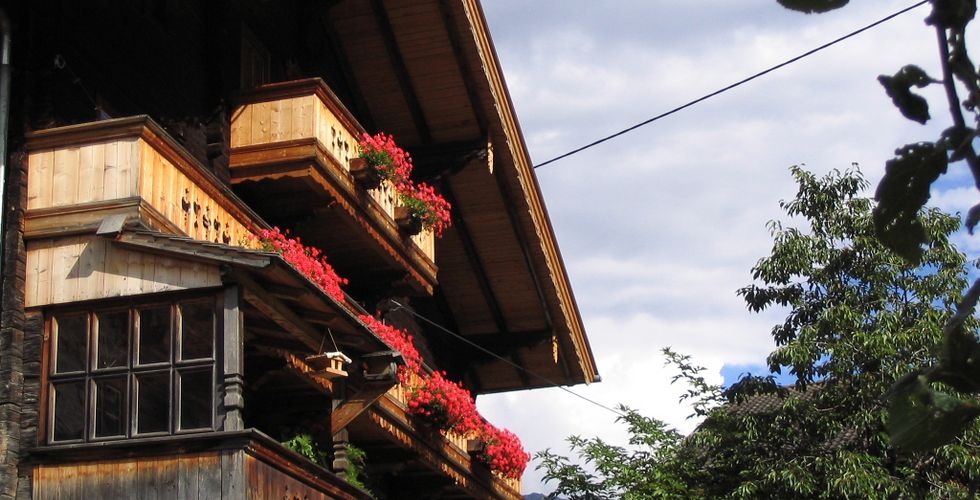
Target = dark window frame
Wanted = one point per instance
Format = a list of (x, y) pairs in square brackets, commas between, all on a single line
[(91, 376)]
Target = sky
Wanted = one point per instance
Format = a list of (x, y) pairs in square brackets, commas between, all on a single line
[(660, 227)]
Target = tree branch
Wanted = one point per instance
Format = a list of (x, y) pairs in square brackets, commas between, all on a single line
[(949, 83)]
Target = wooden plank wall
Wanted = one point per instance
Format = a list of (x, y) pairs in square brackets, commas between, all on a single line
[(274, 121), (98, 171), (190, 477), (88, 267), (198, 476), (124, 168), (265, 481), (292, 118)]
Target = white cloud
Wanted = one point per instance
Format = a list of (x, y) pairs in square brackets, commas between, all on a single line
[(661, 226)]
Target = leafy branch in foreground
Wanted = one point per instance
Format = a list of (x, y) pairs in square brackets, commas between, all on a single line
[(924, 412), (859, 316)]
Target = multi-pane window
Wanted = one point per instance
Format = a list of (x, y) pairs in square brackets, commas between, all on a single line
[(133, 371)]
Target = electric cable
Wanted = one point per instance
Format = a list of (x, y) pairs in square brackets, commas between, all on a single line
[(550, 382), (736, 84)]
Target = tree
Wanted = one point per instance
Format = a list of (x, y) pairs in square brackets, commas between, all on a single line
[(921, 411), (859, 317)]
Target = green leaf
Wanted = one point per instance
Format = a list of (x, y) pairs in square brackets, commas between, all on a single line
[(959, 359), (898, 87), (921, 418), (811, 6), (959, 362), (972, 218), (959, 141), (902, 192), (952, 13)]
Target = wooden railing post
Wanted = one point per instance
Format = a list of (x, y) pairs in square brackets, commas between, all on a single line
[(233, 401), (340, 462)]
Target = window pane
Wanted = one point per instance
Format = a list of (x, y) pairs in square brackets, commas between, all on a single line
[(69, 410), (153, 402), (197, 330), (110, 406), (196, 399), (154, 335), (113, 339), (72, 346)]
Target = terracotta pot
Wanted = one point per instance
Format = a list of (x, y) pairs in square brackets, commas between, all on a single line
[(407, 223), (364, 174)]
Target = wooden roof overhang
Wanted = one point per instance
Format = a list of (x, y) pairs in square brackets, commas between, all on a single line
[(426, 72), (282, 305)]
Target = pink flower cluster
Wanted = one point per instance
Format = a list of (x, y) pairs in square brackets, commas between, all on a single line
[(448, 406), (445, 404), (401, 342), (427, 205), (389, 160), (503, 452), (307, 260), (393, 163)]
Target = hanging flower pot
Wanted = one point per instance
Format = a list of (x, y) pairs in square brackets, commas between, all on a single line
[(365, 175), (407, 221), (328, 365), (380, 159), (475, 445)]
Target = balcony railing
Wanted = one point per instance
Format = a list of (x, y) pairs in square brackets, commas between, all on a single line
[(294, 140), (80, 174), (399, 394)]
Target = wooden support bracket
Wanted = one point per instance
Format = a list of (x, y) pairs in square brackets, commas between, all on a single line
[(376, 379)]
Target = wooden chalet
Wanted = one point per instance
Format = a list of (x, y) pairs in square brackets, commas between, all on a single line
[(151, 348)]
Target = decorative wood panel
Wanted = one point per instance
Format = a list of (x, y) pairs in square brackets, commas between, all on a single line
[(79, 174), (75, 268)]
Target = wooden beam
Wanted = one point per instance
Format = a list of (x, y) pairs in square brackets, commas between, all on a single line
[(363, 112), (432, 162), (364, 388), (515, 224), (401, 71), (472, 92), (276, 310), (303, 370), (286, 292), (191, 250), (479, 271)]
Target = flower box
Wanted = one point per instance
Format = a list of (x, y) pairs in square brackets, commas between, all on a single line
[(365, 174), (407, 222)]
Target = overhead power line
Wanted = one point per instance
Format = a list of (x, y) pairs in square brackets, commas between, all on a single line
[(736, 84), (505, 360)]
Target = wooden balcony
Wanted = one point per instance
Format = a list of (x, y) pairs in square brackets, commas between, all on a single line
[(81, 174), (227, 465), (291, 146), (443, 454)]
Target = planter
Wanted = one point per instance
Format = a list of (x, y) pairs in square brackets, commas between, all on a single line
[(474, 446), (407, 223), (328, 365), (364, 174)]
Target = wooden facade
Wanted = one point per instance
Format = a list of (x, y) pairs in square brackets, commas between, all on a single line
[(150, 346)]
